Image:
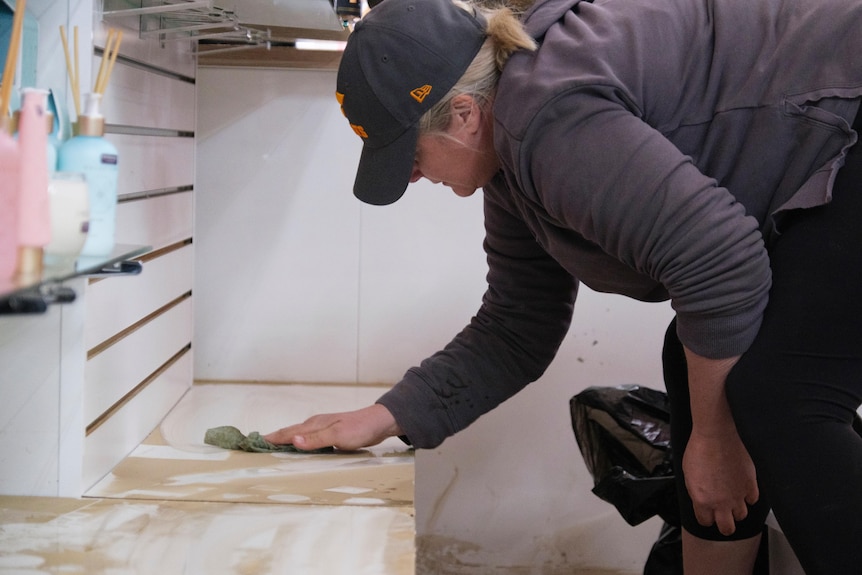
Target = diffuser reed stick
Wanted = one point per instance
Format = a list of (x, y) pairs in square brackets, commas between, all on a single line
[(118, 40), (112, 48), (12, 57), (109, 57), (77, 95), (72, 69)]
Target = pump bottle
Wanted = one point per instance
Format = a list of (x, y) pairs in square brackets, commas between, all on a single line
[(91, 154)]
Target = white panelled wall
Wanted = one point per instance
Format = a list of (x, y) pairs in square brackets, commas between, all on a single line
[(297, 281), (138, 330)]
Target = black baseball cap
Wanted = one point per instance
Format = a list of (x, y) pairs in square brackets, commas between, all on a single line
[(402, 58)]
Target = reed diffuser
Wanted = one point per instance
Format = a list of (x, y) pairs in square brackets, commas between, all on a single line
[(89, 153)]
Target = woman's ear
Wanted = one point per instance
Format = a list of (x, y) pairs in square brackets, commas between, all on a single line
[(466, 113)]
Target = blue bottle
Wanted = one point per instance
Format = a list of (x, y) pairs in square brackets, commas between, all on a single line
[(91, 154)]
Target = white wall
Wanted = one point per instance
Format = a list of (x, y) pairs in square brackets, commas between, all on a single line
[(296, 280), (515, 481)]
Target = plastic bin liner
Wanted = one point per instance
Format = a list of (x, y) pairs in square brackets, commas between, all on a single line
[(623, 433)]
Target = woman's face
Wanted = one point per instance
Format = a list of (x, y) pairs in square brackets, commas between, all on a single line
[(462, 158)]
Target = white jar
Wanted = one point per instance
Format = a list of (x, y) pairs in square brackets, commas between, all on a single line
[(70, 218)]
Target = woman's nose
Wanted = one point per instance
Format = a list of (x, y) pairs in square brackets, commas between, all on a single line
[(416, 175)]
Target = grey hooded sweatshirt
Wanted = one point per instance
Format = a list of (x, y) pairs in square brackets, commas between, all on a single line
[(649, 148)]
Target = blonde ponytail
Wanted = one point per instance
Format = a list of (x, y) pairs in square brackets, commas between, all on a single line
[(506, 35)]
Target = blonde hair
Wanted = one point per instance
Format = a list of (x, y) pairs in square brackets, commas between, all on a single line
[(506, 35)]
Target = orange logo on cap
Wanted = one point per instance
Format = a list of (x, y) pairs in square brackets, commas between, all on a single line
[(420, 93), (340, 97), (360, 131)]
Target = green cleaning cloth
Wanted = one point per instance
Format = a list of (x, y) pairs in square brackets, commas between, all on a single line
[(229, 437)]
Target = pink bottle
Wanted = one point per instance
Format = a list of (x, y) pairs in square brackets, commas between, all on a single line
[(10, 167), (34, 224)]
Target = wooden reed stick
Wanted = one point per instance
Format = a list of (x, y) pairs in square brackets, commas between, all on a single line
[(72, 69), (104, 64), (109, 57), (69, 68), (113, 58), (12, 57), (76, 94)]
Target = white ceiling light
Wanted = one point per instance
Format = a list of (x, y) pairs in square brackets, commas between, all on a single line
[(325, 45)]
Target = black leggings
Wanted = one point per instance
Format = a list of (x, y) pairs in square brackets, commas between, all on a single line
[(795, 392)]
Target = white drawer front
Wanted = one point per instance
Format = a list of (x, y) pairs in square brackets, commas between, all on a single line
[(108, 444), (117, 370), (158, 221), (147, 163), (116, 303)]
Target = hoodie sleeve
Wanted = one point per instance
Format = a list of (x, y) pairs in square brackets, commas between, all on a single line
[(523, 319)]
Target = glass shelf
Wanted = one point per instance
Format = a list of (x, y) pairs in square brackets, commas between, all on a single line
[(179, 20), (116, 263)]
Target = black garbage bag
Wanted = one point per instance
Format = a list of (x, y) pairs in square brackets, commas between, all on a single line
[(623, 433), (624, 436)]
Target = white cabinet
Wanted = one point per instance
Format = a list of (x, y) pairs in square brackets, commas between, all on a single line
[(30, 422)]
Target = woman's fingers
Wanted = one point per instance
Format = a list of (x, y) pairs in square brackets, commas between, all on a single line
[(304, 434)]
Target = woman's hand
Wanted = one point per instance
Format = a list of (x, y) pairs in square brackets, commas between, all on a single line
[(720, 479), (719, 474), (349, 431)]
